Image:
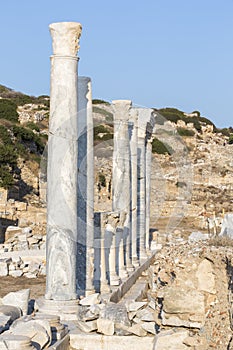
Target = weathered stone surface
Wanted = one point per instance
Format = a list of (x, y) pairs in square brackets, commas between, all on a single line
[(116, 313), (16, 273), (206, 277), (19, 299), (138, 330), (90, 299), (168, 340), (4, 322), (12, 311), (149, 327), (37, 330), (16, 342), (88, 326), (183, 300), (146, 315), (4, 267), (183, 306), (105, 326), (85, 313), (136, 305)]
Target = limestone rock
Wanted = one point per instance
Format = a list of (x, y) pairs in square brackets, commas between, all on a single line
[(206, 277), (135, 305), (12, 311), (146, 315), (183, 306), (116, 313), (90, 299), (149, 327), (4, 322), (168, 340), (88, 326), (19, 299), (4, 267), (105, 326), (37, 330), (183, 300), (138, 330)]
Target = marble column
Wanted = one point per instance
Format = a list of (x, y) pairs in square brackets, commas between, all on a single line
[(121, 178), (133, 136), (62, 233), (148, 190), (146, 122), (85, 205)]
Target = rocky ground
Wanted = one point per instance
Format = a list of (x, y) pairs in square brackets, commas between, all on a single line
[(192, 285)]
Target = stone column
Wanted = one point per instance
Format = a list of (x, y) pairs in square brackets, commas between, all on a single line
[(133, 135), (145, 127), (85, 206), (121, 176), (62, 234), (148, 190)]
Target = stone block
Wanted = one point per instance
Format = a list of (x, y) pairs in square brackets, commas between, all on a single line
[(21, 206), (105, 326), (19, 299), (90, 299), (206, 277), (12, 231), (12, 311), (16, 273), (168, 340), (4, 267)]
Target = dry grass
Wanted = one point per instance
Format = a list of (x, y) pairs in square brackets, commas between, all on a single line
[(221, 242)]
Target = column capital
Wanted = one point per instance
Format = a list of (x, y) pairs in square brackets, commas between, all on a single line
[(65, 38), (121, 109)]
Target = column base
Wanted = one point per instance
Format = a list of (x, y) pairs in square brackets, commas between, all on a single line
[(104, 287), (66, 309), (135, 262), (123, 273), (115, 280), (58, 329), (130, 267)]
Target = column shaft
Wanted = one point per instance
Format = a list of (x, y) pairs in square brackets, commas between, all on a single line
[(62, 235), (85, 265)]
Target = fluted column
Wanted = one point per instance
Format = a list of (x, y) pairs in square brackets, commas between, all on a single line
[(85, 206), (62, 233), (133, 135), (121, 177)]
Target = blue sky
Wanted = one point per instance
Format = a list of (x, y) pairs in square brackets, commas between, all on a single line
[(159, 53)]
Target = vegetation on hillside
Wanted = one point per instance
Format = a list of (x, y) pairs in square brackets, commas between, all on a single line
[(174, 114), (17, 140), (160, 147)]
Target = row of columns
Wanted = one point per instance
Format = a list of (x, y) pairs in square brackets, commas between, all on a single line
[(79, 252)]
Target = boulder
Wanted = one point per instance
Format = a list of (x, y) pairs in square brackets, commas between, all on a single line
[(19, 299)]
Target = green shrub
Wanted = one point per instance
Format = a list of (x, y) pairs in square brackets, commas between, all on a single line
[(8, 110), (8, 155), (185, 132), (160, 147), (102, 180), (6, 177), (33, 126), (5, 137), (230, 139), (97, 101)]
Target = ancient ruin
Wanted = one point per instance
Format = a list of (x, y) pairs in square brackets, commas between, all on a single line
[(104, 288)]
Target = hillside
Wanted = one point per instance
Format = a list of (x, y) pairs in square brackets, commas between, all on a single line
[(192, 168)]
